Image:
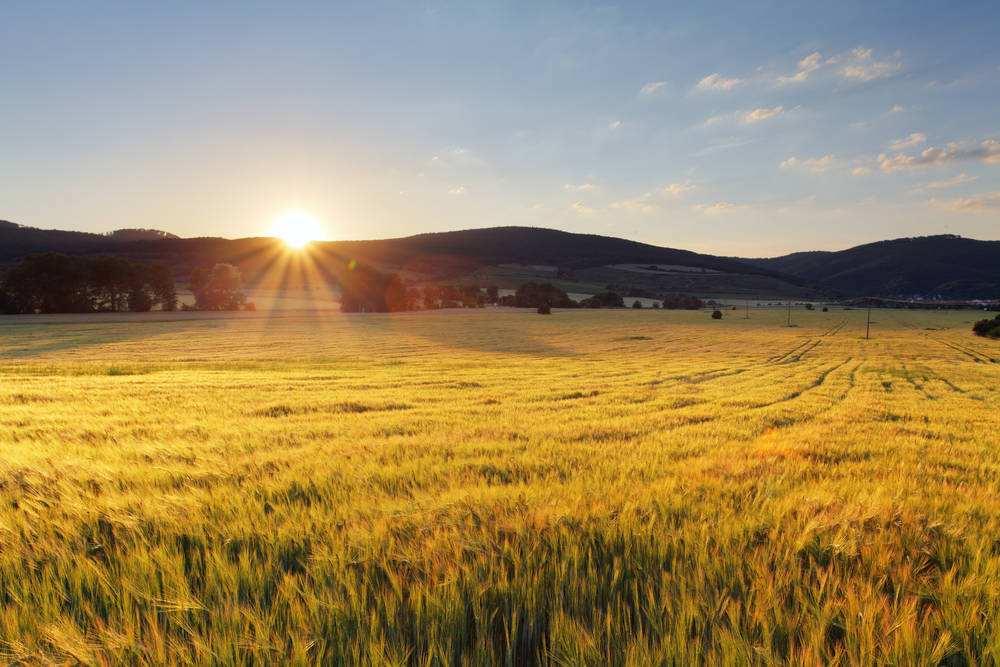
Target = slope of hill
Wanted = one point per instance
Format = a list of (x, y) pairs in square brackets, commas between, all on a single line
[(943, 266)]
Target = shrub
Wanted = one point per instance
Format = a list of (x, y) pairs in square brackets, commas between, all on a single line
[(637, 304), (988, 328), (545, 309), (716, 314), (825, 309)]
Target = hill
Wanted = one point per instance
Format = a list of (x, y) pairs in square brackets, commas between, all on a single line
[(586, 260), (943, 266), (949, 267)]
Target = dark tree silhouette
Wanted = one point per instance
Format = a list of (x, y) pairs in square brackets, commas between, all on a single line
[(716, 314), (603, 300), (55, 283), (218, 289)]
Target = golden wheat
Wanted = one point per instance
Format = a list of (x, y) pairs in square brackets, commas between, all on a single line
[(495, 486)]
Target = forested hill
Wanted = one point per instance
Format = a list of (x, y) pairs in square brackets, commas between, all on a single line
[(437, 254), (947, 267), (943, 266)]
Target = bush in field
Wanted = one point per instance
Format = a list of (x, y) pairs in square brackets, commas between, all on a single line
[(825, 309), (716, 314), (988, 328), (637, 304), (545, 309)]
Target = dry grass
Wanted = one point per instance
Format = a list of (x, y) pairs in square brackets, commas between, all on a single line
[(475, 487)]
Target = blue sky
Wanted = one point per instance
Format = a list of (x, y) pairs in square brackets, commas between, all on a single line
[(748, 128)]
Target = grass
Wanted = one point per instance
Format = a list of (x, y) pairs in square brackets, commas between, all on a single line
[(497, 487)]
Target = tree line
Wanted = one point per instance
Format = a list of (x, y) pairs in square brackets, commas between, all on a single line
[(56, 283)]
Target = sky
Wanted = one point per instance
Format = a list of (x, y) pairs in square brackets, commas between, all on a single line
[(743, 128)]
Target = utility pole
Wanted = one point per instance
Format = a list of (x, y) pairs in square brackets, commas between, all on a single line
[(868, 325)]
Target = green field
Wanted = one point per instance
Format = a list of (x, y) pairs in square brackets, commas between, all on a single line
[(494, 486)]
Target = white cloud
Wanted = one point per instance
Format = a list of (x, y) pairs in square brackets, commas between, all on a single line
[(896, 108), (760, 114), (457, 190), (805, 67), (717, 83), (861, 65), (816, 165), (677, 190), (580, 187), (988, 151), (953, 182), (988, 202), (581, 209), (861, 171), (652, 88), (614, 125), (912, 141)]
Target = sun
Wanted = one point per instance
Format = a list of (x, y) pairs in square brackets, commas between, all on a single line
[(296, 228)]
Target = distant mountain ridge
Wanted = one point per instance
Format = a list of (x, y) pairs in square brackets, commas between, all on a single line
[(943, 266)]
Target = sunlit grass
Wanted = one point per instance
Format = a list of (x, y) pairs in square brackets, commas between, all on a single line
[(490, 486)]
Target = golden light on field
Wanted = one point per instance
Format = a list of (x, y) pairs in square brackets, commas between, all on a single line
[(296, 228)]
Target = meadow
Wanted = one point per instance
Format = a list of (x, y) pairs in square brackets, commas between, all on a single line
[(498, 487)]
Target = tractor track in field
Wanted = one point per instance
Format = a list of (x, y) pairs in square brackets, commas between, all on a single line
[(975, 355)]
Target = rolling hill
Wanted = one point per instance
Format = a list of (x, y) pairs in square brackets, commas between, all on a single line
[(943, 266), (931, 267)]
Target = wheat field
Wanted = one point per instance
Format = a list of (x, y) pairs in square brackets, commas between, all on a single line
[(498, 487)]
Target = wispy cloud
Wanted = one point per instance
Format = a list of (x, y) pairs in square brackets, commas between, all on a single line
[(615, 125), (953, 182), (912, 141), (652, 88), (860, 64), (456, 157), (988, 202), (645, 204), (717, 208), (988, 151), (580, 208), (805, 67), (816, 165), (760, 114), (580, 187), (678, 190), (717, 83), (457, 190)]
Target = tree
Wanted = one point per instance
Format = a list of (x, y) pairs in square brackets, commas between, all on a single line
[(544, 309), (55, 283), (533, 295), (161, 283), (492, 294), (716, 314), (637, 304), (220, 289), (603, 300)]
